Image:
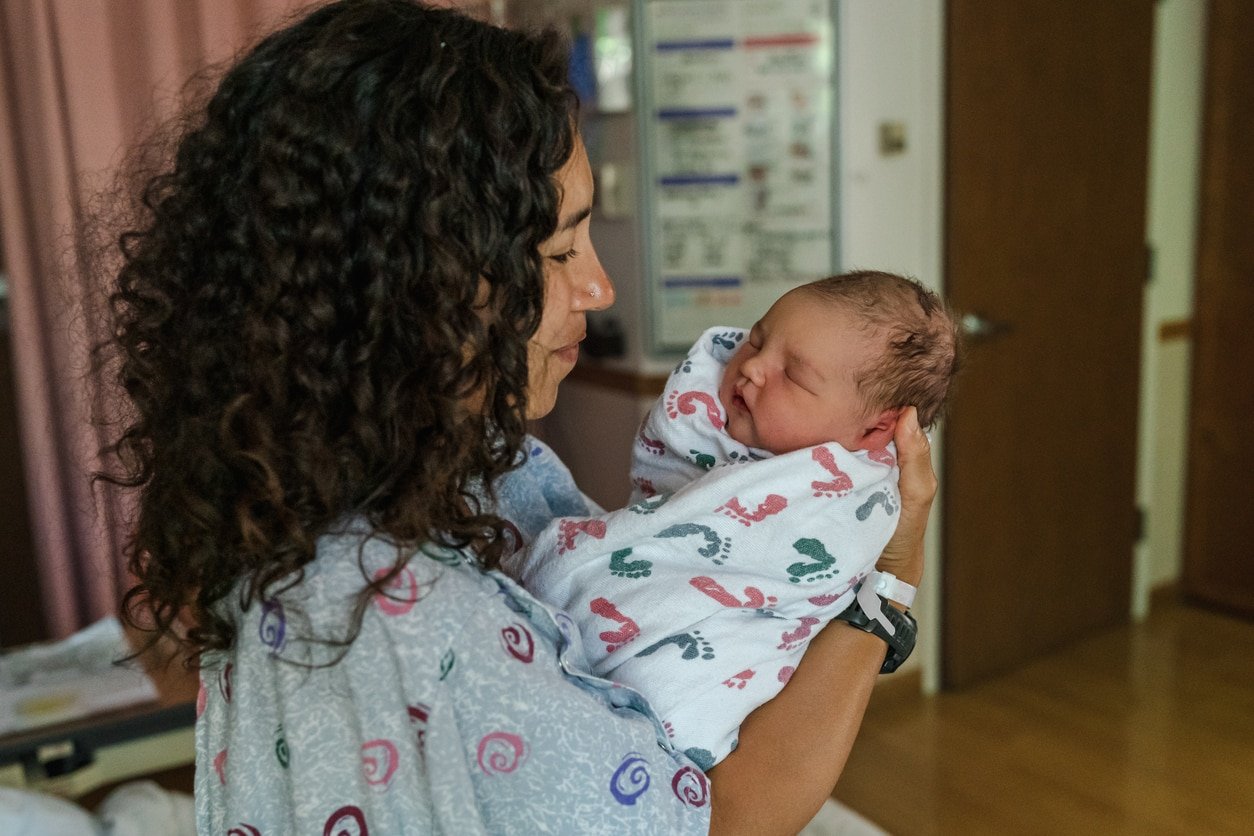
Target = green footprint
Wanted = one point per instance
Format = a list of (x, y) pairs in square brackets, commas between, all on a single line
[(621, 567), (815, 571)]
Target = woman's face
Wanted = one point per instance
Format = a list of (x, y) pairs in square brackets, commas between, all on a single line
[(574, 282)]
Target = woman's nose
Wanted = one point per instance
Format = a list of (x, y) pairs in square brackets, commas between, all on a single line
[(593, 290)]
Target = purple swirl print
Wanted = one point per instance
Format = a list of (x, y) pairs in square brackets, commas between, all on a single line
[(630, 780), (501, 752), (690, 787), (346, 821), (518, 643), (273, 626)]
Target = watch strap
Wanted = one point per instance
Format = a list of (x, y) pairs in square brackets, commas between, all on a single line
[(898, 629)]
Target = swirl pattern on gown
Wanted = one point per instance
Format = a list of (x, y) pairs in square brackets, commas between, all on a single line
[(501, 752), (273, 626), (379, 759), (518, 642), (630, 780), (691, 787), (346, 821)]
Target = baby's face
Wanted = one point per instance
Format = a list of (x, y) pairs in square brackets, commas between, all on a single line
[(792, 384)]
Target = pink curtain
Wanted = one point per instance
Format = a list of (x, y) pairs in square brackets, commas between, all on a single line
[(80, 81)]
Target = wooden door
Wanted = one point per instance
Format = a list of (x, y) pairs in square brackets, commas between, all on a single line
[(1219, 522), (1046, 165)]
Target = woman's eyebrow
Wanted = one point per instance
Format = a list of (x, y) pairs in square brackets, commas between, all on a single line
[(574, 220)]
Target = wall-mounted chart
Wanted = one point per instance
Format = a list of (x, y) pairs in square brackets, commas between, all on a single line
[(738, 119)]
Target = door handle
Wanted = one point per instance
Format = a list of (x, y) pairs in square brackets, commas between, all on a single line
[(977, 327)]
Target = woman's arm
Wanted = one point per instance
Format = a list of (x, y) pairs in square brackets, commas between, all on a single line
[(793, 748)]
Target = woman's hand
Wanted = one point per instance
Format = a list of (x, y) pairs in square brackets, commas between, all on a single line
[(903, 556)]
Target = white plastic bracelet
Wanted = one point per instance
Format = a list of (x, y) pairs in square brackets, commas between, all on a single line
[(889, 586)]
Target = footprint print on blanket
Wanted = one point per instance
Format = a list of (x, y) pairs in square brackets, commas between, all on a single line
[(652, 500), (627, 630), (840, 483), (884, 456), (878, 498), (686, 403), (816, 570), (755, 599), (568, 530), (727, 339), (621, 567), (772, 505), (691, 645), (702, 460), (792, 639), (651, 445), (716, 548)]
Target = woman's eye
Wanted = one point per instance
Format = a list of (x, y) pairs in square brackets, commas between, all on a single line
[(562, 258)]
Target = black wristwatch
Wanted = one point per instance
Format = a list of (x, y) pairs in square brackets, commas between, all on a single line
[(895, 627)]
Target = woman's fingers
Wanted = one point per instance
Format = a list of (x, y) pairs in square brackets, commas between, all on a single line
[(903, 556), (914, 456)]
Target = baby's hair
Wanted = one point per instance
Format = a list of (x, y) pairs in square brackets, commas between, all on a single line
[(922, 351)]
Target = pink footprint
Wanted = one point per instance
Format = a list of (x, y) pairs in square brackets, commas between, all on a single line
[(685, 404), (840, 485), (614, 639), (773, 504), (569, 529), (754, 597)]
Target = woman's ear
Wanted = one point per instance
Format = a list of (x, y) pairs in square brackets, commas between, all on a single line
[(879, 429)]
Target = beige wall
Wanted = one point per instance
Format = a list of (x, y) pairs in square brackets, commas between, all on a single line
[(1175, 141)]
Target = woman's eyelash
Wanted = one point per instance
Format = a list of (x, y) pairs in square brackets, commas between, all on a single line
[(562, 258)]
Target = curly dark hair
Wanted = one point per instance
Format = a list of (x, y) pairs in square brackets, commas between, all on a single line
[(323, 305)]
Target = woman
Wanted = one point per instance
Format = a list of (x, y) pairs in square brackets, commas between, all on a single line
[(368, 266)]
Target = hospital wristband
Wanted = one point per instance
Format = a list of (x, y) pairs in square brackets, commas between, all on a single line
[(887, 585)]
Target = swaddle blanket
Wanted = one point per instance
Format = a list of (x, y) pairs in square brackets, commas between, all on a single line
[(704, 593)]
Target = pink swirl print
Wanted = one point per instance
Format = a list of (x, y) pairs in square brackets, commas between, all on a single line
[(242, 829), (346, 821), (518, 643), (379, 759), (398, 595), (202, 697), (219, 766), (501, 752), (690, 787)]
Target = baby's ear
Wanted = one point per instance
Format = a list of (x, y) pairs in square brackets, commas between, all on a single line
[(879, 429)]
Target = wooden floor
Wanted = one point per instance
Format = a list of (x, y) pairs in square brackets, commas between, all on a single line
[(1141, 730)]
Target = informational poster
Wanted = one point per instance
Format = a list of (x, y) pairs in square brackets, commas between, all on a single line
[(738, 119)]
